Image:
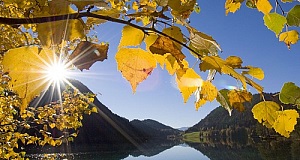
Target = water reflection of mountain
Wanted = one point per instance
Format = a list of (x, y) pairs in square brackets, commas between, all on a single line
[(263, 150), (153, 148), (103, 152)]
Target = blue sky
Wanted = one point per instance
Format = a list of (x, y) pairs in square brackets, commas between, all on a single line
[(242, 34)]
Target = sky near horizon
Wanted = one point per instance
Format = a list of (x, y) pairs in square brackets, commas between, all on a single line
[(241, 34)]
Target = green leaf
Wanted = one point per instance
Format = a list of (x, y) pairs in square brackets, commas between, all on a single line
[(290, 94), (275, 22), (266, 112), (285, 122), (197, 8), (293, 16), (222, 98), (251, 4)]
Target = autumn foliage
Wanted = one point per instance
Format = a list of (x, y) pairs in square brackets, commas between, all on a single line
[(36, 33)]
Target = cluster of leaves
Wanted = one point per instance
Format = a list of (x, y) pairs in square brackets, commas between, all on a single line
[(165, 48), (273, 20), (33, 32), (272, 115), (34, 125), (135, 62)]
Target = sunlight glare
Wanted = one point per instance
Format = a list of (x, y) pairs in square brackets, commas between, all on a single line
[(57, 72)]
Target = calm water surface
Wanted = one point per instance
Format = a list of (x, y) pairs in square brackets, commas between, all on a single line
[(214, 150), (180, 152)]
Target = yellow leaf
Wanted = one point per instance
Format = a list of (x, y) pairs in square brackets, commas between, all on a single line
[(230, 71), (149, 40), (255, 85), (164, 45), (212, 62), (237, 98), (171, 64), (285, 122), (289, 37), (175, 32), (58, 142), (53, 33), (26, 67), (135, 65), (188, 81), (199, 103), (232, 6), (135, 6), (264, 6), (95, 110), (255, 72), (82, 4), (114, 13), (234, 61), (182, 9), (52, 142), (160, 59), (131, 37), (266, 112), (52, 125), (207, 92)]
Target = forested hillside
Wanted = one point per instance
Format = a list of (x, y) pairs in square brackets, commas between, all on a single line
[(220, 121)]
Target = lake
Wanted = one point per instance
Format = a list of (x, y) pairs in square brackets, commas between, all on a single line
[(214, 150), (179, 152)]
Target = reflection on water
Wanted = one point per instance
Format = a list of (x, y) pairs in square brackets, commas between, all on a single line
[(284, 149), (207, 149), (179, 152), (161, 152)]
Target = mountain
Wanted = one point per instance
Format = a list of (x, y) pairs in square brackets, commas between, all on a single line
[(154, 129), (107, 128)]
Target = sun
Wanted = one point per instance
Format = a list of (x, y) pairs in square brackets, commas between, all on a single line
[(57, 72)]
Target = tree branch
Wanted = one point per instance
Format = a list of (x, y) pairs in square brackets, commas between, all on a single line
[(36, 20)]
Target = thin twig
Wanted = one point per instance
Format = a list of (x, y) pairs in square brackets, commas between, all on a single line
[(278, 4)]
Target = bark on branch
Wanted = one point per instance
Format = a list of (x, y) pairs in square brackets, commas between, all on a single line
[(36, 20)]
